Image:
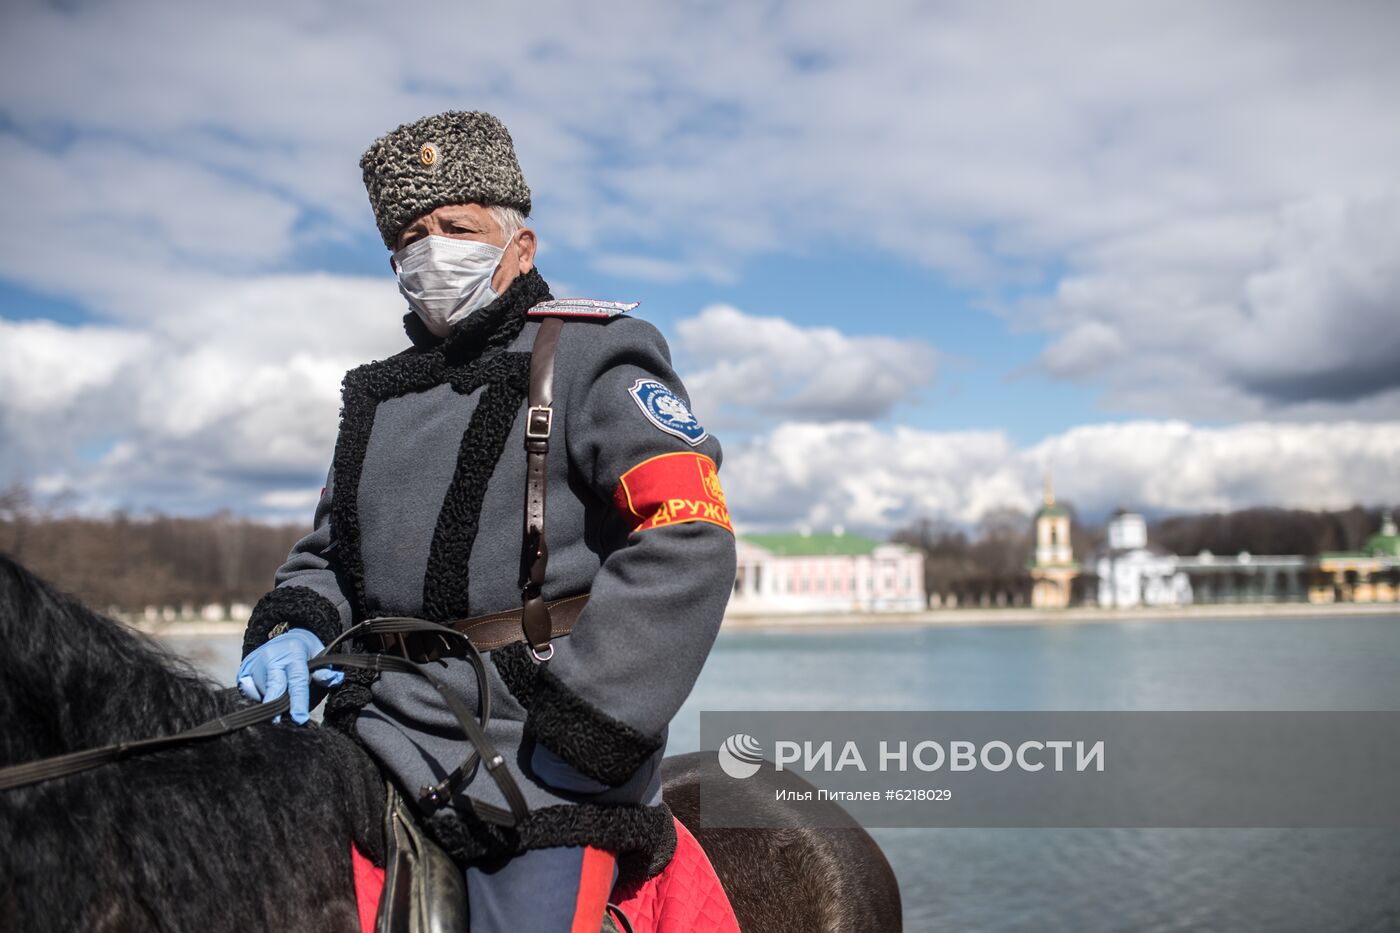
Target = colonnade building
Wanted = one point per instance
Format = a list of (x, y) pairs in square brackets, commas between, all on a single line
[(835, 572), (1130, 572)]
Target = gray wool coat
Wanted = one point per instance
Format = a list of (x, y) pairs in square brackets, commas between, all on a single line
[(422, 515)]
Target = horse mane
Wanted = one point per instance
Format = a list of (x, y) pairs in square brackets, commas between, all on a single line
[(77, 679), (247, 831)]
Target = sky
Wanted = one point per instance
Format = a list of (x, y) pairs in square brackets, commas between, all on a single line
[(909, 257)]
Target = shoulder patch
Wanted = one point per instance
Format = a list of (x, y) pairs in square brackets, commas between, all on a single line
[(667, 410), (583, 308)]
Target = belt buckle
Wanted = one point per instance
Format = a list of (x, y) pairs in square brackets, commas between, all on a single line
[(544, 416)]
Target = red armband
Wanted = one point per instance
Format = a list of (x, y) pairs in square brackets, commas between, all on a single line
[(670, 489)]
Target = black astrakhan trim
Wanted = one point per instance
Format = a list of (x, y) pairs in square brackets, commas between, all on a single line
[(646, 864), (595, 743), (467, 360), (418, 332), (299, 607), (345, 702), (643, 838), (464, 359), (604, 748), (446, 581), (517, 672)]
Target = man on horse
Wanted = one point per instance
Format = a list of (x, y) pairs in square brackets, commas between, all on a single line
[(594, 625)]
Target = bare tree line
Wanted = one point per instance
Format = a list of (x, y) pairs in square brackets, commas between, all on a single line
[(129, 563), (126, 563), (990, 562), (1268, 531)]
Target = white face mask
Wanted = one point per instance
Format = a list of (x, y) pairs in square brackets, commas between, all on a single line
[(446, 279)]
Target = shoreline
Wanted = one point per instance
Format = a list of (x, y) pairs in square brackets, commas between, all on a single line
[(932, 618), (1079, 615)]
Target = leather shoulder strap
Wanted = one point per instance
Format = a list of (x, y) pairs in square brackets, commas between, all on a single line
[(534, 618)]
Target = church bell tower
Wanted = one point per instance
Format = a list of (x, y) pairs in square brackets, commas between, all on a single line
[(1054, 568)]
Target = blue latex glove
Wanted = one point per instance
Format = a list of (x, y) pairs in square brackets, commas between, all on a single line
[(559, 774), (279, 667)]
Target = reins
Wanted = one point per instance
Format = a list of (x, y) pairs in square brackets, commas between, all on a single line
[(536, 620), (47, 769)]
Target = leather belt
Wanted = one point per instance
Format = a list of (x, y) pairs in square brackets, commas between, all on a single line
[(486, 632)]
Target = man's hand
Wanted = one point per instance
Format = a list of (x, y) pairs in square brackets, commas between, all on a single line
[(279, 667)]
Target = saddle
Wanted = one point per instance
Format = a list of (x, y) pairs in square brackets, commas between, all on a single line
[(421, 890)]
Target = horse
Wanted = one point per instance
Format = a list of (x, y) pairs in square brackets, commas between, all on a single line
[(253, 829)]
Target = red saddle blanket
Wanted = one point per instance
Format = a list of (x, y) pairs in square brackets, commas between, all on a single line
[(685, 898)]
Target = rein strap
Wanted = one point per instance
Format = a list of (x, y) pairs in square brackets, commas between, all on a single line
[(47, 769)]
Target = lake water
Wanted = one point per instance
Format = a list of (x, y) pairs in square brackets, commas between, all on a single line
[(1087, 879)]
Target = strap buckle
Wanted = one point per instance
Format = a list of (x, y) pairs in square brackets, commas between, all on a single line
[(539, 423)]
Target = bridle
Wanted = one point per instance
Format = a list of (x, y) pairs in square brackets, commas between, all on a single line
[(432, 796)]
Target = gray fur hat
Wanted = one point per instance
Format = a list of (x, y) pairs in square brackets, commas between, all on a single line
[(455, 157)]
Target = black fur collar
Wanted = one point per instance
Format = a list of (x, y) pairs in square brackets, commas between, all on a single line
[(494, 325)]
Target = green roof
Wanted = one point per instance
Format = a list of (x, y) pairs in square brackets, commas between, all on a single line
[(1388, 545), (813, 545), (1051, 510), (1375, 546), (1348, 555)]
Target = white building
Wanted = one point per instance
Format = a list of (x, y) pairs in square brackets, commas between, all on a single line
[(1130, 574), (825, 573), (1127, 532), (1133, 574), (1245, 577)]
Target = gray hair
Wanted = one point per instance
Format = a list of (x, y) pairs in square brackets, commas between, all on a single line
[(510, 219)]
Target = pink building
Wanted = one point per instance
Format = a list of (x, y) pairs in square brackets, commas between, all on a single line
[(836, 572)]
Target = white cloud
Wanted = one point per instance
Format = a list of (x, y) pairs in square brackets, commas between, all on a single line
[(743, 368), (1177, 467), (865, 477), (56, 392), (1287, 311), (130, 232), (858, 475), (209, 408), (46, 368), (299, 501), (1211, 186), (958, 134), (243, 412)]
